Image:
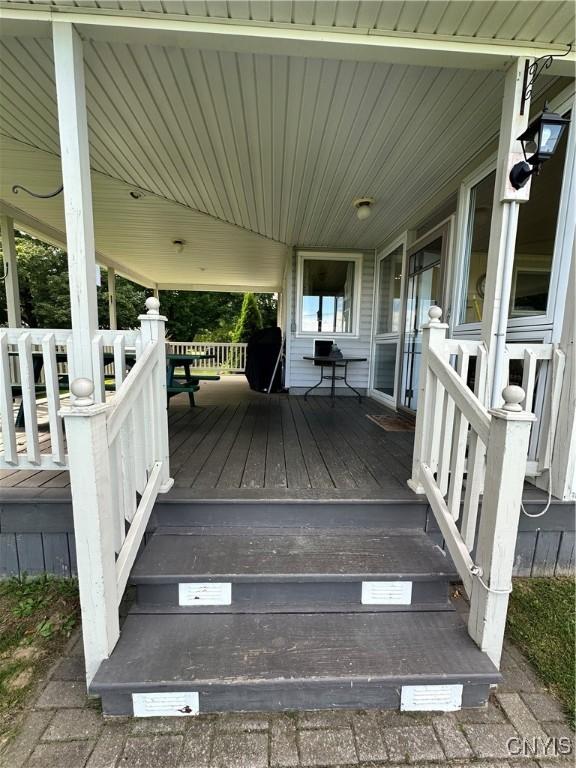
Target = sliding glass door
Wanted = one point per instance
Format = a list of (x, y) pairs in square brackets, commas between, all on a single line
[(425, 280)]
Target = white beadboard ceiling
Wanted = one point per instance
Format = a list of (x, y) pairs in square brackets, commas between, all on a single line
[(272, 148), (543, 21), (136, 235)]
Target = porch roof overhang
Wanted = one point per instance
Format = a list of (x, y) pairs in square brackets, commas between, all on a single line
[(246, 137)]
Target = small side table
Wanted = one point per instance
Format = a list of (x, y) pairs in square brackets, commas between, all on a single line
[(326, 361)]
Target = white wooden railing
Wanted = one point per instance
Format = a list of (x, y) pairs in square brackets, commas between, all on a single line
[(471, 464), (33, 358), (228, 356), (118, 460)]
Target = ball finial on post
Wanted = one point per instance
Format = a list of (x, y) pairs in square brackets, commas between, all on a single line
[(434, 314), (513, 397), (82, 389), (153, 305)]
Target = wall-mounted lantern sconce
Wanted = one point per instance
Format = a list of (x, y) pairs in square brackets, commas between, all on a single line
[(539, 142)]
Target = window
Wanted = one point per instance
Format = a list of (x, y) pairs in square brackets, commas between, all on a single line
[(328, 293), (389, 292), (534, 242), (480, 214)]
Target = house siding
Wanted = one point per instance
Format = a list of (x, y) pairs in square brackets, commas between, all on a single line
[(302, 374), (37, 539)]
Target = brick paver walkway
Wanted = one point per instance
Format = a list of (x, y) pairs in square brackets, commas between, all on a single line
[(65, 730)]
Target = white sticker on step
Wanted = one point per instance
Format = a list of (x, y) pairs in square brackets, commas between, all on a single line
[(386, 592), (210, 593), (176, 704), (431, 698)]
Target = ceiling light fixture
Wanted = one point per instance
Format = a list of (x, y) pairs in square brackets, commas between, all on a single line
[(363, 207), (178, 245)]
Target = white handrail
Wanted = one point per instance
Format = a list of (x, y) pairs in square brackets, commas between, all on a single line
[(493, 458), (472, 409), (119, 462)]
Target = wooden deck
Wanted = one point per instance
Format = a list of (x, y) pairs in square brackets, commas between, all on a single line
[(237, 440)]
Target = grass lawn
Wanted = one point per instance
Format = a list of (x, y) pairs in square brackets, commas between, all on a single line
[(36, 618), (541, 620)]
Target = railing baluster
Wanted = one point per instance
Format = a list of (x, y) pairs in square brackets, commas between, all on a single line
[(474, 487), (459, 441), (6, 412), (98, 368), (29, 397), (119, 347), (116, 483), (53, 398), (529, 379)]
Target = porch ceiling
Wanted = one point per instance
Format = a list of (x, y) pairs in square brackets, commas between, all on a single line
[(543, 21), (276, 145)]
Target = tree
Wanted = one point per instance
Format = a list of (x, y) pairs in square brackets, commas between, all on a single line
[(268, 305), (250, 319)]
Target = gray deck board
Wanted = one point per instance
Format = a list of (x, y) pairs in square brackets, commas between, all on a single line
[(192, 554), (180, 650)]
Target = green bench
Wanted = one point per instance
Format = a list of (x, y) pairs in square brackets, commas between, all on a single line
[(189, 384)]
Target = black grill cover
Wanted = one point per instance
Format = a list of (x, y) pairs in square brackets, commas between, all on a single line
[(261, 355)]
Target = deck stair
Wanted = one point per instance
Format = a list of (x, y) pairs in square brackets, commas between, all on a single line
[(248, 617)]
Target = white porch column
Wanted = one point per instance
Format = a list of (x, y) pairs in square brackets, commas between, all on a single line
[(11, 269), (156, 292), (503, 228), (112, 298), (73, 127)]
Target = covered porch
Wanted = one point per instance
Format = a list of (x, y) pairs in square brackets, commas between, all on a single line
[(196, 154), (241, 443)]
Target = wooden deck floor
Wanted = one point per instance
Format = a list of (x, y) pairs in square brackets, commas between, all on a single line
[(239, 440)]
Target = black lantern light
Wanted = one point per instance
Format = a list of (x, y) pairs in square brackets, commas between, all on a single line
[(539, 142)]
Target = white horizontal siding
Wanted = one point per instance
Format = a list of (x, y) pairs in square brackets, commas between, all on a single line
[(303, 373)]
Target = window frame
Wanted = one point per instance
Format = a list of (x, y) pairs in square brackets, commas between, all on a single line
[(563, 103), (354, 256)]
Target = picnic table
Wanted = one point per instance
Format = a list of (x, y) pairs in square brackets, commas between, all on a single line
[(175, 383), (187, 382)]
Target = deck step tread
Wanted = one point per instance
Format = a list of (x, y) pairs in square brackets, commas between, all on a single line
[(190, 555), (178, 651)]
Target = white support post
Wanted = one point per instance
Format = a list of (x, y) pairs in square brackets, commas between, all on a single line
[(506, 457), (93, 507), (503, 227), (11, 272), (156, 292), (113, 319), (433, 335), (74, 150), (153, 331), (563, 464)]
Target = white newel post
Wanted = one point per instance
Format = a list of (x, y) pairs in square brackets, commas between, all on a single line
[(506, 456), (153, 330), (75, 160), (11, 271), (93, 507), (433, 335)]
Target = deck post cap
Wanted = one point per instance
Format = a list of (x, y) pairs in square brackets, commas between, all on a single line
[(435, 313), (513, 397), (82, 389), (152, 305)]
